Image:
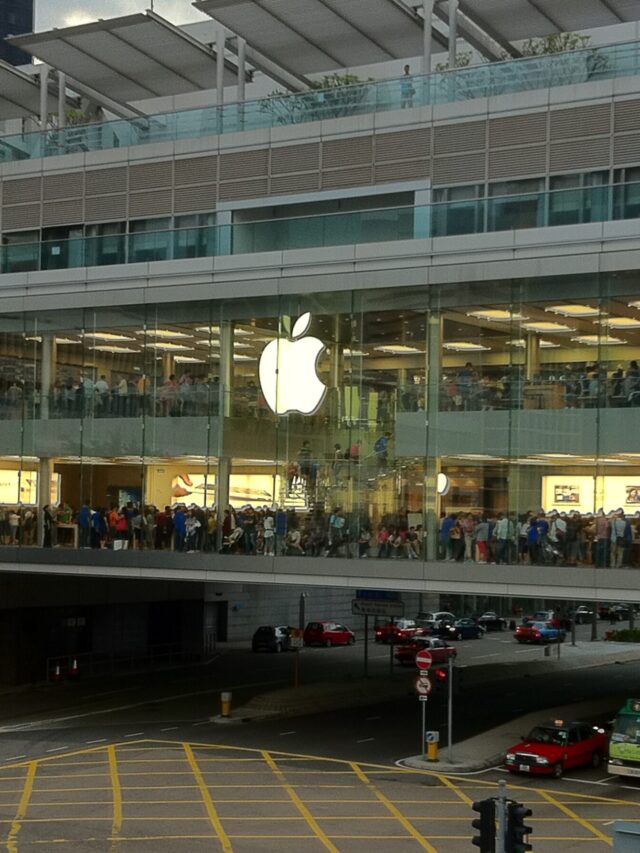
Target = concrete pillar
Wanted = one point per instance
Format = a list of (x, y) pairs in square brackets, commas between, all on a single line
[(220, 43), (167, 365), (226, 368), (532, 365), (427, 14), (45, 473), (337, 372), (62, 100), (44, 94), (453, 32), (432, 405), (242, 68), (47, 374), (222, 493)]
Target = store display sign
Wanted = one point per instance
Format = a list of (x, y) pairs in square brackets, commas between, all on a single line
[(21, 487)]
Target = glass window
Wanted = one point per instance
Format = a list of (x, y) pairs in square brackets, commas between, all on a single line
[(21, 251), (516, 204), (458, 210), (105, 243), (150, 240), (195, 236)]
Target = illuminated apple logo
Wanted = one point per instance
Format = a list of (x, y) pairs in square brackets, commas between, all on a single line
[(288, 374)]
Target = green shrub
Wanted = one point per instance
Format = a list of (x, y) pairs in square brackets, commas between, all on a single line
[(628, 635)]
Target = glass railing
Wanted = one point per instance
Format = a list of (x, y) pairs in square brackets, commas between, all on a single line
[(462, 84), (441, 219)]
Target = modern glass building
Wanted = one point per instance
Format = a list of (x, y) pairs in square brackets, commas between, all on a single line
[(421, 310)]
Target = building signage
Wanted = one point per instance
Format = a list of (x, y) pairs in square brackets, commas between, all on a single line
[(360, 607)]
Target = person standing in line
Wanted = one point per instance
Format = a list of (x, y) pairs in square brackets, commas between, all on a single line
[(407, 91), (48, 522), (84, 524)]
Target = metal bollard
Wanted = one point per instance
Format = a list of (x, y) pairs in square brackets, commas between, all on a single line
[(225, 700), (433, 746)]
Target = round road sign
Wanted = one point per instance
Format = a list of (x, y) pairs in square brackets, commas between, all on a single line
[(423, 660), (423, 686)]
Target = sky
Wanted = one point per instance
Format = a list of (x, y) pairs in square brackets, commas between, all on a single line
[(67, 13)]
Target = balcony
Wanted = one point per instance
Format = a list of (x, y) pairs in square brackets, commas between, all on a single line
[(575, 206), (462, 84)]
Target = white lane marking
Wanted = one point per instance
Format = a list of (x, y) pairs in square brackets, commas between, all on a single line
[(57, 748), (524, 651), (170, 729), (284, 734), (607, 779), (601, 784), (201, 723), (14, 758), (365, 740), (21, 727), (495, 655), (134, 734), (97, 740)]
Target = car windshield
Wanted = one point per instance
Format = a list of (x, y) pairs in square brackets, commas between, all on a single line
[(538, 625), (548, 734), (626, 729)]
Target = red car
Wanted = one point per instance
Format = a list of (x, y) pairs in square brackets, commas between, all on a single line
[(557, 746), (397, 632), (539, 632), (440, 650), (328, 633)]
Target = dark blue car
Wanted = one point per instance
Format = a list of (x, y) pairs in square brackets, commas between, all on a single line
[(462, 629)]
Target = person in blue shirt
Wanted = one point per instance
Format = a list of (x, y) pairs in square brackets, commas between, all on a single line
[(84, 525), (180, 528), (446, 544)]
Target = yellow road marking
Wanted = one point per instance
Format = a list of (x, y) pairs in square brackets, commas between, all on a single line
[(304, 811), (570, 813), (117, 796), (392, 808), (458, 791), (16, 824), (212, 813)]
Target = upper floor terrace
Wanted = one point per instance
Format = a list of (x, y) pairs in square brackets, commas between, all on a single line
[(358, 99)]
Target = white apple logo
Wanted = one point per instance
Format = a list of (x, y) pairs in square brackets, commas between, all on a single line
[(288, 375)]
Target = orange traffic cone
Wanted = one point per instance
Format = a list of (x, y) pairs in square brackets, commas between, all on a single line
[(73, 671), (56, 673)]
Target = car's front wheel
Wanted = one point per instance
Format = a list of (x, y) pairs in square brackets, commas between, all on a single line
[(327, 644), (278, 647), (558, 770), (596, 759), (351, 641), (459, 635)]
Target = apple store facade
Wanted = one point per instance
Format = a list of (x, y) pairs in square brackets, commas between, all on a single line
[(396, 404)]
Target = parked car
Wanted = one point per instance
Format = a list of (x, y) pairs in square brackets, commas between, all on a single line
[(554, 747), (394, 632), (328, 633), (431, 619), (440, 650), (462, 629), (271, 638), (618, 612), (552, 617), (490, 621), (539, 632), (583, 614)]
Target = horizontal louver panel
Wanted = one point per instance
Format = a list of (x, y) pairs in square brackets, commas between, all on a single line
[(295, 158), (21, 216), (105, 208), (347, 152), (244, 164), (70, 185), (101, 181), (69, 212), (580, 154), (627, 116), (518, 130), (581, 121), (202, 197), (465, 136), (146, 176), (401, 146), (626, 149), (21, 190), (517, 162), (196, 170), (256, 188), (153, 203), (285, 184), (405, 171), (347, 178), (459, 169)]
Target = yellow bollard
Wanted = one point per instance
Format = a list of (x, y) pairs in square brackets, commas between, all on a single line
[(433, 746), (225, 699)]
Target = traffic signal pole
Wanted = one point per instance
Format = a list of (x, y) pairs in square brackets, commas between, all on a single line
[(501, 815)]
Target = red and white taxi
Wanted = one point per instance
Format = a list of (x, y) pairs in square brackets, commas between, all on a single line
[(552, 748), (397, 631)]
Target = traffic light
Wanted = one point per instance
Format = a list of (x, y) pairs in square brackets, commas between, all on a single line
[(486, 824), (517, 840)]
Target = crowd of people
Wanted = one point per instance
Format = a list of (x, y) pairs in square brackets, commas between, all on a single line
[(541, 538)]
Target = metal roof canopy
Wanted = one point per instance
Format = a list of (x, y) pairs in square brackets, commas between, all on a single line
[(129, 58), (524, 19), (20, 94), (311, 36)]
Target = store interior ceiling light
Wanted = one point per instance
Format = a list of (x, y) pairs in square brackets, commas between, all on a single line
[(598, 340), (634, 304), (209, 330), (116, 350), (67, 341), (107, 336), (520, 343), (574, 310), (353, 353), (399, 349), (164, 334), (547, 327), (189, 359), (620, 323), (497, 315), (38, 339), (167, 346), (465, 346), (244, 358)]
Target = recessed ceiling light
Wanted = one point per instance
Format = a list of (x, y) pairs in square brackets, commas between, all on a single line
[(65, 341), (212, 330), (399, 349), (574, 310), (164, 334), (548, 327), (114, 349), (621, 323), (167, 346), (497, 315), (465, 346), (598, 340), (352, 353), (107, 336), (520, 343), (189, 359), (244, 358)]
